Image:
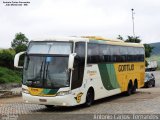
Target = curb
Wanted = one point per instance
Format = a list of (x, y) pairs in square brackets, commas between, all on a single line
[(8, 86), (9, 93), (10, 90)]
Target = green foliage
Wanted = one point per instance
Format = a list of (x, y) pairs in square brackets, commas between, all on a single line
[(148, 50), (146, 63), (8, 75), (120, 37), (20, 42), (133, 39), (156, 50), (7, 58)]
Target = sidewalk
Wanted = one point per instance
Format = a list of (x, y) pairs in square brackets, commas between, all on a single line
[(10, 91)]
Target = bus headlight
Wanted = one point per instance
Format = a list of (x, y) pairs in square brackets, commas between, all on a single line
[(62, 93), (25, 91)]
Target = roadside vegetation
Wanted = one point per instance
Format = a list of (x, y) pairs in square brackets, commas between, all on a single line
[(8, 74)]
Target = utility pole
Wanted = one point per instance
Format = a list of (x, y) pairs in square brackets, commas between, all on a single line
[(133, 21)]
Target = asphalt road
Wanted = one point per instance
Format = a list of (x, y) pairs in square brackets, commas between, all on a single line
[(145, 101)]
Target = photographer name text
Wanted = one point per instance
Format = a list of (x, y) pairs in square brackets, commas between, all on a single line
[(16, 3)]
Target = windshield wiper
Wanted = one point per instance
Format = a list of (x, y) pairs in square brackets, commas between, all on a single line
[(46, 75), (41, 70), (46, 70)]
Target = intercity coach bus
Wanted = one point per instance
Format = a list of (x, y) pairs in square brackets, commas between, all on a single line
[(69, 71)]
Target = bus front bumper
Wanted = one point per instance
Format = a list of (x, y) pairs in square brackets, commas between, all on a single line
[(66, 100)]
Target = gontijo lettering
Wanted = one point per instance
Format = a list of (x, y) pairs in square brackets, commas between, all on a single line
[(127, 67)]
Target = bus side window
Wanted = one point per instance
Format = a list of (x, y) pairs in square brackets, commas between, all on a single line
[(93, 53), (104, 53), (130, 56), (80, 50), (124, 53), (135, 56), (115, 55), (141, 54)]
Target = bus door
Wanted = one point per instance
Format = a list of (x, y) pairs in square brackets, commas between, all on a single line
[(79, 63)]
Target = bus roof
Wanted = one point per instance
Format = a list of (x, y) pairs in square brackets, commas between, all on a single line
[(126, 44), (102, 38), (95, 39), (92, 39), (57, 38)]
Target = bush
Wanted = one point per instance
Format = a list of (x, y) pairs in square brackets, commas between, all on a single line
[(7, 58), (8, 76)]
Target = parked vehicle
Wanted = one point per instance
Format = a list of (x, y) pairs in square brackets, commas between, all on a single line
[(149, 80), (152, 66)]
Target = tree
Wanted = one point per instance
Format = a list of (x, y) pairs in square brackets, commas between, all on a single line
[(148, 50), (7, 58), (133, 39), (146, 63), (20, 42), (120, 37)]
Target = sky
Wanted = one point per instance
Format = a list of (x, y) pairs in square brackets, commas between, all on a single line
[(106, 18)]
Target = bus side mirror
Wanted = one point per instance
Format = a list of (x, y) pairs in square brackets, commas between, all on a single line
[(16, 59), (71, 61)]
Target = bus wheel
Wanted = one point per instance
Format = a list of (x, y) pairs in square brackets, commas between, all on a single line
[(89, 97), (153, 84), (49, 106), (135, 86), (129, 90)]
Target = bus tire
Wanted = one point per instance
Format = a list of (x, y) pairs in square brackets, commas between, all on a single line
[(135, 86), (49, 106), (129, 89), (89, 97), (153, 84)]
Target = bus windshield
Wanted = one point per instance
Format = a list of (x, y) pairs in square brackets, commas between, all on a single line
[(48, 72), (52, 48), (45, 70)]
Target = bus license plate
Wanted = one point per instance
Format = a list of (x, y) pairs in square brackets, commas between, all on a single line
[(42, 100)]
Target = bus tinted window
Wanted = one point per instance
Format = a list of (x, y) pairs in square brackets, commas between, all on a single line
[(124, 53), (141, 54), (115, 53), (105, 53), (78, 72), (93, 53), (130, 56), (80, 50)]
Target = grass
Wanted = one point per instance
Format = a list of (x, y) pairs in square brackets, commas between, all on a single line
[(9, 76)]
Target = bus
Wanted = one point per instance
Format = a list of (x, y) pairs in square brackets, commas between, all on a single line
[(69, 71)]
